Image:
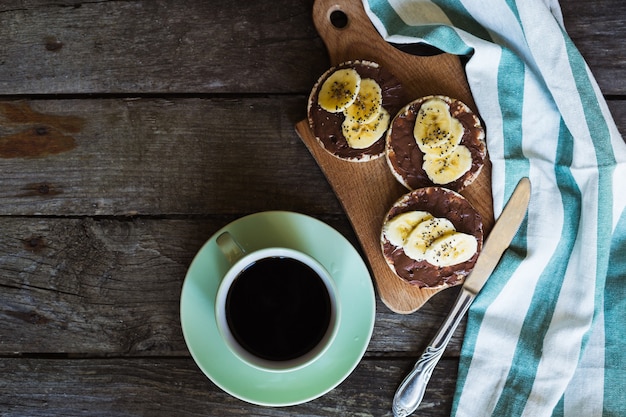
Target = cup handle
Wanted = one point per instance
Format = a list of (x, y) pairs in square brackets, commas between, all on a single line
[(229, 247)]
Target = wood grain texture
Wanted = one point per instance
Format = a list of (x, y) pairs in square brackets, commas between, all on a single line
[(174, 387), (157, 46), (367, 190), (173, 157), (598, 31), (163, 101), (112, 287), (161, 156), (132, 47)]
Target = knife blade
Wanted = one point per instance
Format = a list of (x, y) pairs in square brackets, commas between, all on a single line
[(411, 391)]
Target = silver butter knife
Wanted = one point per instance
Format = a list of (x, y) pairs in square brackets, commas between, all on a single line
[(411, 391)]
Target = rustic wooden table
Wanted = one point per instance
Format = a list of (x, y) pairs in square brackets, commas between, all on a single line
[(131, 131)]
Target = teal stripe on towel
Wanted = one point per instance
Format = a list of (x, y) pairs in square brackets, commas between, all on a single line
[(526, 359), (510, 91), (605, 159), (611, 249), (584, 189), (383, 10), (443, 37), (461, 18), (615, 330)]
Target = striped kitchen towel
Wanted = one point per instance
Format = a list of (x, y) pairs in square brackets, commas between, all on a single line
[(547, 335)]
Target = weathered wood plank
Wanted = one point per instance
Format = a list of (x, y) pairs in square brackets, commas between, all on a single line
[(158, 46), (162, 157), (166, 46), (155, 157), (168, 387), (618, 111), (112, 287), (105, 201), (598, 31)]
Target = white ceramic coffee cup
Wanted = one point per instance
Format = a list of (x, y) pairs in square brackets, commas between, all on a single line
[(239, 261)]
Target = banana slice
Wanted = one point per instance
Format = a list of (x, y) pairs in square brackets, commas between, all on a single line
[(452, 166), (436, 131), (339, 90), (423, 236), (451, 249), (367, 105), (361, 136), (398, 229)]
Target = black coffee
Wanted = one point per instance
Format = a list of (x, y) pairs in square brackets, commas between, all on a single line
[(278, 308)]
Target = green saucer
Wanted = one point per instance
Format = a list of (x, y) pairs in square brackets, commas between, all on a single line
[(356, 297)]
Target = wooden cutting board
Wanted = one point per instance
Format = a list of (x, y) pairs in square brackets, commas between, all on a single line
[(368, 189)]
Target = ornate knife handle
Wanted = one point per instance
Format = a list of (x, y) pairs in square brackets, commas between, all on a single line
[(411, 391)]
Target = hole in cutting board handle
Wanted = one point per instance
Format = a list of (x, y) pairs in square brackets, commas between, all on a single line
[(338, 18)]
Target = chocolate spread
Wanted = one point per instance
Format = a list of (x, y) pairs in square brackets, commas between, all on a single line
[(326, 126), (439, 202), (406, 158)]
